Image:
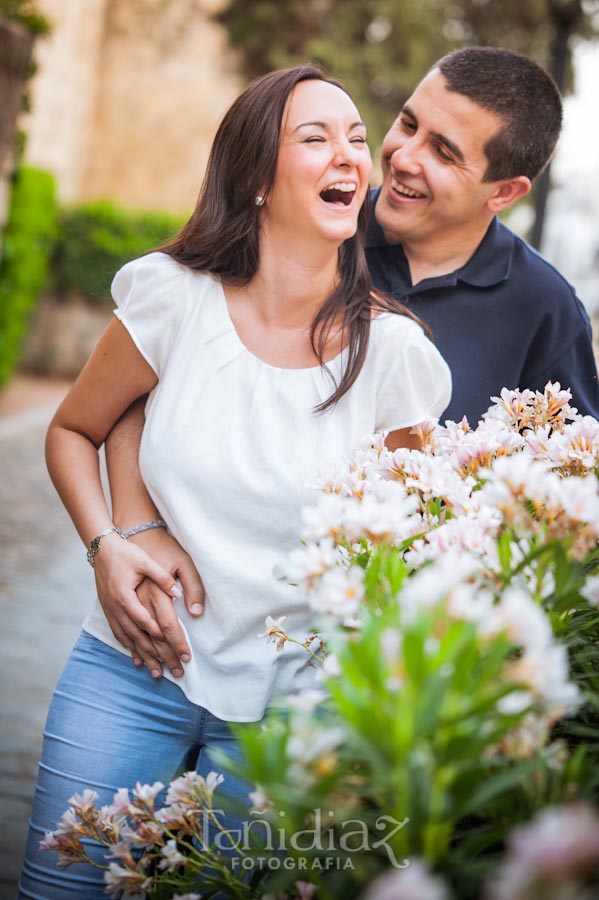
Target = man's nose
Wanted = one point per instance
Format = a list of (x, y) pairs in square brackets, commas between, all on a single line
[(407, 158)]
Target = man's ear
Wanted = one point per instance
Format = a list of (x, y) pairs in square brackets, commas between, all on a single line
[(508, 192)]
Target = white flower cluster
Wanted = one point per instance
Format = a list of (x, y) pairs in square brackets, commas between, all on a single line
[(555, 855), (415, 882), (529, 466), (540, 672), (527, 473), (536, 501), (530, 410), (138, 835)]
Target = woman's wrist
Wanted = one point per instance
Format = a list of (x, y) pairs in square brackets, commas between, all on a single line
[(125, 519), (142, 527), (95, 544)]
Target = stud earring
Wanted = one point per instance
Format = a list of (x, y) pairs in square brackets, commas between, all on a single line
[(259, 201)]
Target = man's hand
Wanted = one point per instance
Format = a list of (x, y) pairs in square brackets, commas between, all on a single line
[(163, 642), (170, 648)]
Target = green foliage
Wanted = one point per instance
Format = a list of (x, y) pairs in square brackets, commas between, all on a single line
[(78, 249), (28, 243), (414, 716), (414, 736), (25, 12), (381, 49), (96, 239)]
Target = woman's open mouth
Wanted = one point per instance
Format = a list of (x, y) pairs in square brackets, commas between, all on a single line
[(339, 194)]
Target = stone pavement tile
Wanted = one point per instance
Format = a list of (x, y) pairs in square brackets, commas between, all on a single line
[(25, 392), (46, 589), (41, 618), (34, 526)]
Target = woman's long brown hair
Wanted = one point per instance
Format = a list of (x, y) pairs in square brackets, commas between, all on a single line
[(222, 235)]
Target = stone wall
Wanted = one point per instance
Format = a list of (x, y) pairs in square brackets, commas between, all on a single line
[(64, 92), (15, 56), (63, 334), (128, 97)]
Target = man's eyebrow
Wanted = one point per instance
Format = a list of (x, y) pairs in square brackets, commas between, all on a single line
[(453, 148), (325, 127), (450, 145)]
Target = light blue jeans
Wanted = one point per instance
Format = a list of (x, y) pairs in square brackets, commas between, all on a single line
[(109, 726)]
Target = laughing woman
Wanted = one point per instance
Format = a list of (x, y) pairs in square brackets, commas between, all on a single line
[(266, 358)]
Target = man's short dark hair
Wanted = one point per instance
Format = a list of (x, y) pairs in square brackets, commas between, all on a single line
[(522, 94)]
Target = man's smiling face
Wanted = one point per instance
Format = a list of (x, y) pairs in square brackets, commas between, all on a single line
[(433, 167)]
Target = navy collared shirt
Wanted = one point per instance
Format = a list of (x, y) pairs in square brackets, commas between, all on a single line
[(505, 319)]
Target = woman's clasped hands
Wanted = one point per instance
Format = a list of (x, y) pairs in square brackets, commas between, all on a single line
[(137, 581)]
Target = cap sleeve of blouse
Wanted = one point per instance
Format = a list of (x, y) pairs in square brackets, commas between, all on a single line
[(414, 379), (151, 298)]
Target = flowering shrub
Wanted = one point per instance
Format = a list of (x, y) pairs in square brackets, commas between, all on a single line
[(455, 593)]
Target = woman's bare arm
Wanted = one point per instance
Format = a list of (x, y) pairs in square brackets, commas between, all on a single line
[(113, 378)]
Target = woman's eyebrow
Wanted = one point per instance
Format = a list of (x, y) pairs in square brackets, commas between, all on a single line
[(325, 126)]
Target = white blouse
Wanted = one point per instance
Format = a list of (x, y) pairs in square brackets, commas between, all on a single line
[(229, 449)]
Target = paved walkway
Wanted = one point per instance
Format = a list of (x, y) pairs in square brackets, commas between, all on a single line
[(45, 590)]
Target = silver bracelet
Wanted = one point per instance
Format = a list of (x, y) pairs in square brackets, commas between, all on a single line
[(145, 526), (95, 544)]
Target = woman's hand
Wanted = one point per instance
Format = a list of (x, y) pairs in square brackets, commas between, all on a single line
[(120, 567), (171, 648)]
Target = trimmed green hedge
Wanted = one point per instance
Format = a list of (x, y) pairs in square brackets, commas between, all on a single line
[(96, 239), (76, 249), (28, 242)]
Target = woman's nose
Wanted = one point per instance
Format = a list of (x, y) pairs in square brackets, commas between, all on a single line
[(345, 153), (342, 155)]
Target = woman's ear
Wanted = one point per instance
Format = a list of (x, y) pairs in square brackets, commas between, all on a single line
[(508, 192)]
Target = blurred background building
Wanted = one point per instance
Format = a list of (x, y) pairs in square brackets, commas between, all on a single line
[(127, 99), (571, 235), (128, 94)]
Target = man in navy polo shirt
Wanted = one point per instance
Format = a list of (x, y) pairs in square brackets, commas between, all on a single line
[(466, 146)]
